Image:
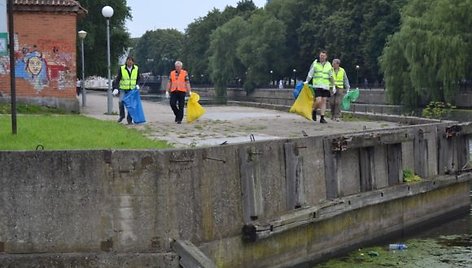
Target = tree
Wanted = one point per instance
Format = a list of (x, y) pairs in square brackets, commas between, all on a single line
[(353, 31), (287, 11), (381, 19), (224, 63), (95, 44), (197, 42), (261, 50), (436, 55), (156, 51)]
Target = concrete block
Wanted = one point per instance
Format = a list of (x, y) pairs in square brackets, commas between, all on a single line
[(348, 173)]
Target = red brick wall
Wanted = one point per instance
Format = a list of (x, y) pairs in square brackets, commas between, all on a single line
[(45, 52)]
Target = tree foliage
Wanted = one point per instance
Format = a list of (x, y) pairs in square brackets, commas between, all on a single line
[(246, 49), (353, 31), (224, 62), (287, 11), (422, 48), (430, 53), (95, 44), (197, 36), (259, 50), (197, 42), (157, 50)]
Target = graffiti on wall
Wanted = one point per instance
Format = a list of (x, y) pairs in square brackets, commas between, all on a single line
[(46, 63), (45, 67), (32, 66), (4, 65)]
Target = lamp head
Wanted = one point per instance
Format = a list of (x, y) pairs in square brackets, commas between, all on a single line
[(107, 12), (82, 34)]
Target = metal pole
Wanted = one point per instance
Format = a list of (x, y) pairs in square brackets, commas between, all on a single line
[(357, 77), (109, 95), (11, 48), (84, 98)]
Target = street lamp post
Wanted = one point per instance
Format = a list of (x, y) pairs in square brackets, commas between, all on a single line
[(107, 12), (82, 35), (11, 51), (294, 76), (271, 77), (357, 75)]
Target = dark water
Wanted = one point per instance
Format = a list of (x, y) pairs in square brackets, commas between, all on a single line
[(446, 245)]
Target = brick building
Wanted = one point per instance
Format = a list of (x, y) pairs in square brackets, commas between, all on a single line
[(45, 53)]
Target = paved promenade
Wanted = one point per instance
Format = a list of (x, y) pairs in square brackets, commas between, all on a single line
[(220, 124)]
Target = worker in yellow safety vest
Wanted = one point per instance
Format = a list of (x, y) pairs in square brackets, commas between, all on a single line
[(321, 74), (127, 79), (341, 83), (178, 87)]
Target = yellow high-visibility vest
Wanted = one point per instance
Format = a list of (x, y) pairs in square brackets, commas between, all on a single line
[(128, 82), (339, 77), (321, 75)]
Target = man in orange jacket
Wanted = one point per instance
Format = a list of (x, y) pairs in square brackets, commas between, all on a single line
[(178, 86)]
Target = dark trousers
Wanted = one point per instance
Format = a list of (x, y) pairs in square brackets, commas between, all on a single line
[(177, 103), (121, 107)]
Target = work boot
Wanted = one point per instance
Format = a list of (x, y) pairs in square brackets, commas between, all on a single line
[(313, 115), (322, 120)]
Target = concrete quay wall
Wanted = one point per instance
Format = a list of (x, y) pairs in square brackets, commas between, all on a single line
[(370, 100), (303, 198)]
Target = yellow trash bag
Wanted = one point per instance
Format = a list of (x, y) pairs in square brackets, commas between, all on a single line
[(303, 105), (194, 109)]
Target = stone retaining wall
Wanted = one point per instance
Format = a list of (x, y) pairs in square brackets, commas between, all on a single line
[(95, 208)]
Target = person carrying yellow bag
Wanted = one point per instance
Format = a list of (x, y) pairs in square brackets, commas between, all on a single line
[(321, 75), (194, 109), (304, 103)]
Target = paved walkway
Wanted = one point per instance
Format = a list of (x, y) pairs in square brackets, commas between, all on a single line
[(230, 124)]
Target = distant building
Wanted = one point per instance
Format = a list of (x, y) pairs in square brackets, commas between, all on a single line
[(45, 53)]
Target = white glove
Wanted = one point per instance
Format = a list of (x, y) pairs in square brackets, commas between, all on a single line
[(137, 87), (115, 92), (306, 82), (190, 93), (334, 90), (167, 94)]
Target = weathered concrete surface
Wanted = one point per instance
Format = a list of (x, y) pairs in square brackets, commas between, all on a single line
[(228, 124), (113, 203), (346, 230), (131, 260)]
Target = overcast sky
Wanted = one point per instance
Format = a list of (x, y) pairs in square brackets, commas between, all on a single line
[(161, 14)]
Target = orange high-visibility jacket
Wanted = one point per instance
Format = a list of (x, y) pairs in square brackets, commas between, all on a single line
[(178, 82)]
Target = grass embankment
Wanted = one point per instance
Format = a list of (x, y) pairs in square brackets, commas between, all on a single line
[(55, 131)]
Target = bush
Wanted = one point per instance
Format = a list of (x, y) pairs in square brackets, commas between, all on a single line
[(437, 109)]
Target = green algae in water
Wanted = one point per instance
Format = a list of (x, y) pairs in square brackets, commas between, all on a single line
[(446, 251)]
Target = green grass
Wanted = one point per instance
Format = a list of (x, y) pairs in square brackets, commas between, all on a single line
[(66, 132), (29, 109)]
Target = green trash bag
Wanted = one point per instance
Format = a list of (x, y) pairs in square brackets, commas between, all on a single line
[(351, 96)]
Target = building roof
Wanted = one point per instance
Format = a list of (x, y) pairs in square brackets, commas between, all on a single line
[(49, 6)]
